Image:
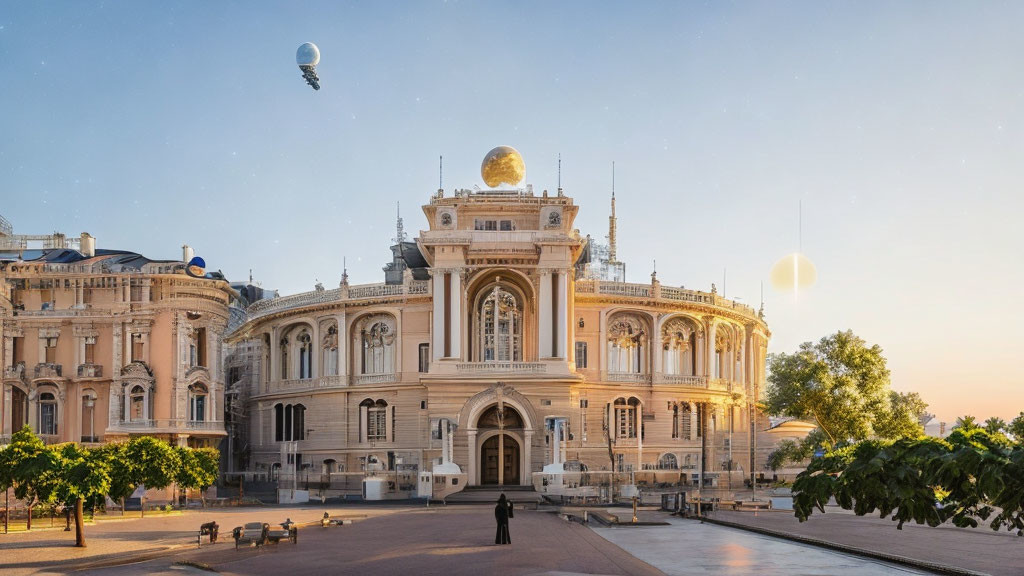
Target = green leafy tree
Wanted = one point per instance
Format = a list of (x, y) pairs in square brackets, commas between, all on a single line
[(1016, 428), (904, 416), (198, 468), (145, 461), (842, 385), (967, 477), (122, 474), (995, 425), (966, 423), (30, 467), (83, 475)]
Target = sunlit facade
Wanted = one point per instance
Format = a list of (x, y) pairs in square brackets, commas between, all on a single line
[(102, 345), (491, 328)]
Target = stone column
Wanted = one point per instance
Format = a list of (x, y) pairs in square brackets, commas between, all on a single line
[(563, 315), (693, 421), (275, 355), (455, 328), (527, 478), (437, 336), (471, 468), (343, 345), (544, 316), (639, 415)]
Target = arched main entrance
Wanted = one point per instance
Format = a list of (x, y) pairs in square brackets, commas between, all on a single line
[(499, 456), (500, 445)]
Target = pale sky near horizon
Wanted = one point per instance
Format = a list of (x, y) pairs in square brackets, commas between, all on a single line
[(898, 125)]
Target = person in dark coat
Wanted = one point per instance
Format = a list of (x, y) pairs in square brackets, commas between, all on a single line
[(501, 514)]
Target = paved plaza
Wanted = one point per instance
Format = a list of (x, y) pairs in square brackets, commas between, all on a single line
[(978, 549), (456, 540)]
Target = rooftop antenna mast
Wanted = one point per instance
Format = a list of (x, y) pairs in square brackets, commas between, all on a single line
[(559, 173), (399, 227), (612, 252)]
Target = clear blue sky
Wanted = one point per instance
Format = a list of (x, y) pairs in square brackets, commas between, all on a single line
[(899, 126)]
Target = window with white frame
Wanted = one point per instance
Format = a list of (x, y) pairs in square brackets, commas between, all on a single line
[(374, 420), (197, 395), (47, 413)]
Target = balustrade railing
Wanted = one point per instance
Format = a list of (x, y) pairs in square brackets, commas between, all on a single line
[(270, 305), (14, 372), (374, 378), (48, 370), (680, 380), (664, 292), (500, 368), (720, 384), (627, 377), (90, 370), (170, 423)]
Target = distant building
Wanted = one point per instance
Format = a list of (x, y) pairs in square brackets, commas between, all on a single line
[(102, 345)]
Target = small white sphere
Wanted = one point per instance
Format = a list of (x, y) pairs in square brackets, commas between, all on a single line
[(308, 55)]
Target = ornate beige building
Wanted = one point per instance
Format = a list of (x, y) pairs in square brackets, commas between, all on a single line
[(492, 352), (100, 345)]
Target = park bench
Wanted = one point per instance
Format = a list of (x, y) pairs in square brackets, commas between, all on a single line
[(288, 531), (210, 529), (252, 534)]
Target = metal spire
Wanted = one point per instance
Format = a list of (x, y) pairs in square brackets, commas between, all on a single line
[(399, 227), (612, 223)]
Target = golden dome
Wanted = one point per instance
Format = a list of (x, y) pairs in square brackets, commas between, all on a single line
[(503, 165)]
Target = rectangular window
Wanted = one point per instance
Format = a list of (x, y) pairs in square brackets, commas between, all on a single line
[(424, 357), (201, 345), (137, 348), (507, 225), (48, 419), (90, 350), (51, 350), (376, 424), (626, 421), (581, 355)]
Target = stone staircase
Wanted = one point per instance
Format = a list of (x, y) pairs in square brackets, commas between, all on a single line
[(489, 495)]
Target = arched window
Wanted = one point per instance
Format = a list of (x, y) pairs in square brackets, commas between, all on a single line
[(305, 355), (373, 420), (627, 345), (47, 414), (377, 340), (284, 358), (679, 345), (668, 462), (278, 422), (298, 422), (330, 352), (89, 416), (500, 326), (681, 420), (626, 415), (197, 394), (138, 407)]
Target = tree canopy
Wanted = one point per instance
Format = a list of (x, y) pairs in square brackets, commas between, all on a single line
[(73, 475), (842, 385), (970, 476)]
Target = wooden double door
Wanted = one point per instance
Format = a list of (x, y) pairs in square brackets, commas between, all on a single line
[(499, 456)]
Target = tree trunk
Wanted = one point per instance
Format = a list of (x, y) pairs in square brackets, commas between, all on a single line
[(79, 525), (28, 524), (122, 506), (142, 506)]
